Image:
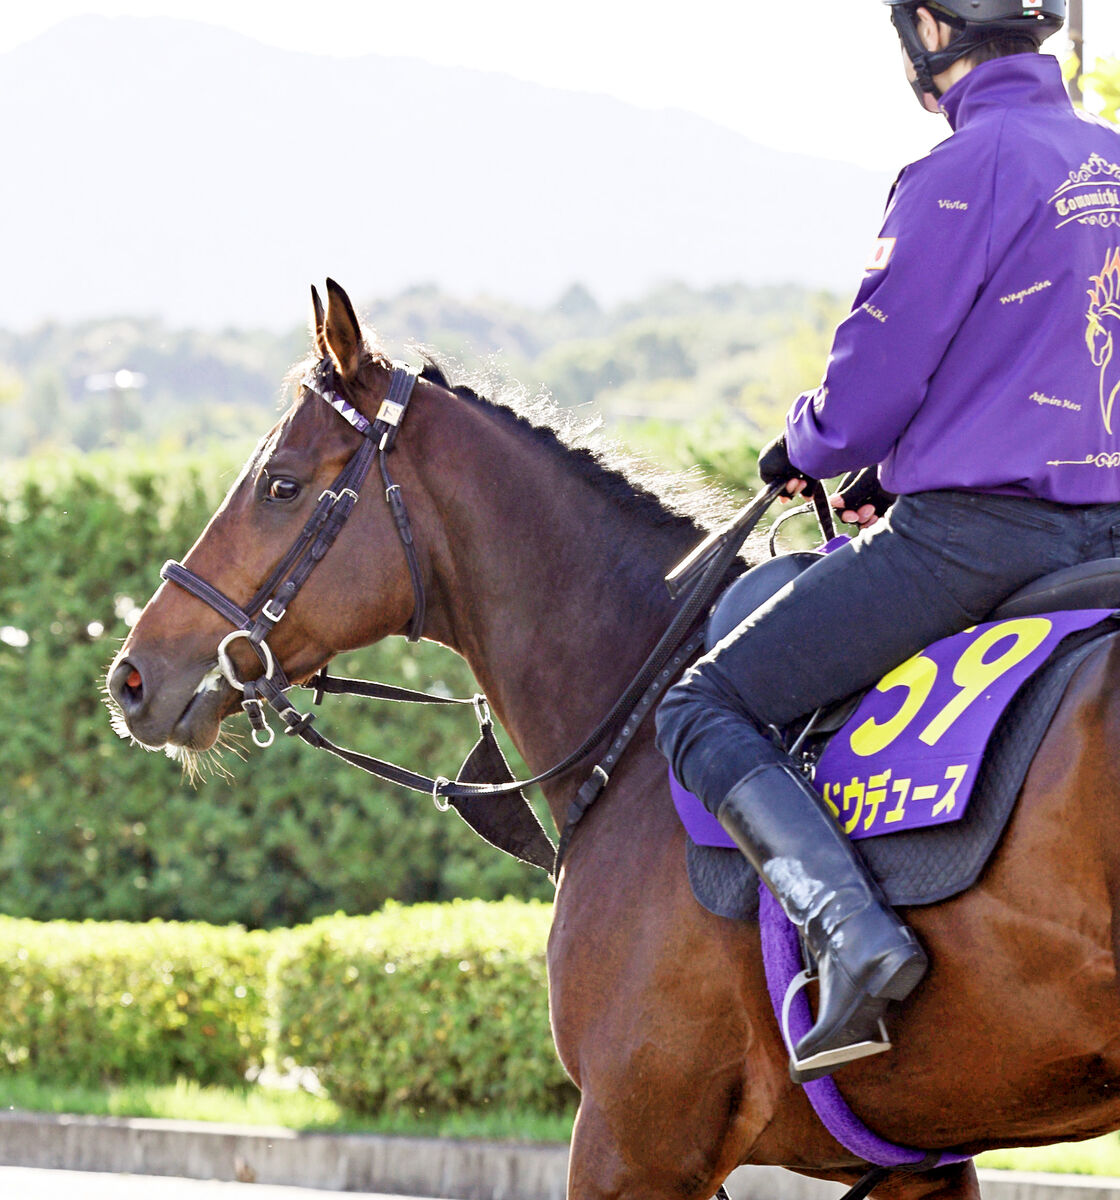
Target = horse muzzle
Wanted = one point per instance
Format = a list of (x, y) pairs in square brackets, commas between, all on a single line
[(158, 709)]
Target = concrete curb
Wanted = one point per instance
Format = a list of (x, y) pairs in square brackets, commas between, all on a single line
[(430, 1167)]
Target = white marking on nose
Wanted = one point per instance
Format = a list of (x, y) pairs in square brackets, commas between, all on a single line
[(210, 682)]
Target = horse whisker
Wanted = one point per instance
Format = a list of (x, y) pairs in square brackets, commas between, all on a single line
[(197, 765), (200, 765)]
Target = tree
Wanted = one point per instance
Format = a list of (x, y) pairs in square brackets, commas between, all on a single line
[(1104, 81)]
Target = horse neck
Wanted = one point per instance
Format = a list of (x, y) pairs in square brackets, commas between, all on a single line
[(544, 584)]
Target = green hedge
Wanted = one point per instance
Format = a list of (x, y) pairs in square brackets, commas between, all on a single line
[(88, 1003), (435, 1007), (91, 827)]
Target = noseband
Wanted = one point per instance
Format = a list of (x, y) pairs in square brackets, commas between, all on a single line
[(262, 614)]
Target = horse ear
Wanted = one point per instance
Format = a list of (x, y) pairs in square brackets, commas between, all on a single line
[(342, 332), (318, 321)]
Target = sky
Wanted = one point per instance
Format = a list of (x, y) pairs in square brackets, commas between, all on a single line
[(821, 84)]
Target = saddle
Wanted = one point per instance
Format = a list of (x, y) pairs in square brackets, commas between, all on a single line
[(925, 865)]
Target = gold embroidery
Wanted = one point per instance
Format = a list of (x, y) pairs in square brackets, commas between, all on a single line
[(1054, 401), (1108, 461), (877, 313), (1103, 314), (1090, 195), (1019, 297)]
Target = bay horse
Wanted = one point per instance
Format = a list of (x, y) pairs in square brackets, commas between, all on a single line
[(543, 568)]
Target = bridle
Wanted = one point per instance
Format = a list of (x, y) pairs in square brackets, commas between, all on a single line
[(707, 569), (256, 621)]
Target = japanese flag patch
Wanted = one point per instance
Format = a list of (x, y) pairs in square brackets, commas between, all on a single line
[(1031, 6), (880, 254)]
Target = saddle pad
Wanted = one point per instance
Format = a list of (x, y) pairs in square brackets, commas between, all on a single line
[(925, 866)]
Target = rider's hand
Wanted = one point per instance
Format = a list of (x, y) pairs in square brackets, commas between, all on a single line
[(774, 467), (861, 499)]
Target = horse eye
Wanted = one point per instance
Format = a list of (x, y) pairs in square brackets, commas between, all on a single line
[(283, 489)]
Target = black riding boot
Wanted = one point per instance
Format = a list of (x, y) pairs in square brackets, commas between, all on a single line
[(865, 955)]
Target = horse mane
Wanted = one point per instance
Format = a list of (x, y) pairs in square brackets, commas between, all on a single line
[(654, 496)]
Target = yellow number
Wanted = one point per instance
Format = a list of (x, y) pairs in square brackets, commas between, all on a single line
[(974, 676), (917, 676)]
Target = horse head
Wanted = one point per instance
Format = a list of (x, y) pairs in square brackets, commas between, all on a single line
[(166, 683)]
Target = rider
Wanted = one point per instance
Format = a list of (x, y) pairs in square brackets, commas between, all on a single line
[(976, 372)]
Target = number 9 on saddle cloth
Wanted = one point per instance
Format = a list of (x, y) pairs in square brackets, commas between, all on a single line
[(936, 753)]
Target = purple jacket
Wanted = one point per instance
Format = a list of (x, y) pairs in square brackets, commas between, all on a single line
[(983, 348)]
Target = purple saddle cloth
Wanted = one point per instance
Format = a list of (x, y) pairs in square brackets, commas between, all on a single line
[(925, 866)]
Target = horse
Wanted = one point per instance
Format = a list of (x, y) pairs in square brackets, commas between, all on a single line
[(543, 567)]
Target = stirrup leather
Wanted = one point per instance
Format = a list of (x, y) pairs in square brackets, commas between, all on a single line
[(803, 1070)]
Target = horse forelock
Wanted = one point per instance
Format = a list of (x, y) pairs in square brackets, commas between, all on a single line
[(374, 360)]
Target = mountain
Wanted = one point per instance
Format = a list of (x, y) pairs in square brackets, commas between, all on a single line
[(174, 169)]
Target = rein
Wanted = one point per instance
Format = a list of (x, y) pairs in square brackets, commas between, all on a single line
[(259, 617)]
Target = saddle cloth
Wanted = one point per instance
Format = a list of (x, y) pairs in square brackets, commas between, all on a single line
[(924, 866)]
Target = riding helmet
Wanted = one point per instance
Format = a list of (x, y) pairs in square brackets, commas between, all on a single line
[(975, 22)]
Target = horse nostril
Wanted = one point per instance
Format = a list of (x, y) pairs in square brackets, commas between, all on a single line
[(126, 686)]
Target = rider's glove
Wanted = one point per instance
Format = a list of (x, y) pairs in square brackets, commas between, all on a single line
[(862, 487), (774, 467)]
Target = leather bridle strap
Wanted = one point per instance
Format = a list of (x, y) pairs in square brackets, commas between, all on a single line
[(264, 611), (395, 501)]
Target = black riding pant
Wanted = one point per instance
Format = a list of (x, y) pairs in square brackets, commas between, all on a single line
[(939, 563)]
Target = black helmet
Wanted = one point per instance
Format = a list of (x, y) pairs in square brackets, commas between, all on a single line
[(976, 22)]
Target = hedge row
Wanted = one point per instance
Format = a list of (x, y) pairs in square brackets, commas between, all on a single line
[(435, 1007), (91, 827), (88, 1003)]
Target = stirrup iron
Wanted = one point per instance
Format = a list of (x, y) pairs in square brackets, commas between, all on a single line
[(804, 1070)]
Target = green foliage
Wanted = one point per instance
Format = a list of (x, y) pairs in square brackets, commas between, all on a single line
[(91, 1003), (735, 353), (183, 1100), (414, 1010), (790, 361), (263, 1104), (93, 828), (1104, 80), (183, 386), (435, 1007), (674, 354)]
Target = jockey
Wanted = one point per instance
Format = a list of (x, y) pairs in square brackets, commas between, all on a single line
[(975, 378)]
